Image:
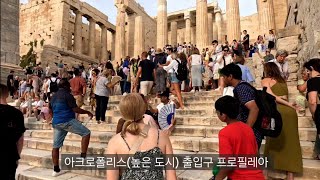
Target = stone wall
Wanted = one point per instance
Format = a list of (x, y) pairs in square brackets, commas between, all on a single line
[(10, 31), (249, 23), (303, 19)]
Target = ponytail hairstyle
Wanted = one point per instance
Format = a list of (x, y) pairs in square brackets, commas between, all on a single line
[(132, 109)]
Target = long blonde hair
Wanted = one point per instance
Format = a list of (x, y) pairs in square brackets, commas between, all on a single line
[(132, 109)]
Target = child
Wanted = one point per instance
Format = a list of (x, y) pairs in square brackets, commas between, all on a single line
[(236, 139)]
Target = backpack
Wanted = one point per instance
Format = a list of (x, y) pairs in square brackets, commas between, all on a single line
[(182, 72), (269, 121), (54, 85)]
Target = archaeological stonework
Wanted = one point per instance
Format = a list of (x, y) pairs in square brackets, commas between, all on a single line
[(9, 38), (60, 23)]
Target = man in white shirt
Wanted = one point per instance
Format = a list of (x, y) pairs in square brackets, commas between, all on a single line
[(37, 106), (281, 62)]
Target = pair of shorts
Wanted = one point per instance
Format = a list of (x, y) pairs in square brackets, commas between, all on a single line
[(173, 78), (62, 129), (79, 100)]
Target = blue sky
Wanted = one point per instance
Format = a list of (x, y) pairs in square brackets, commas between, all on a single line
[(247, 7)]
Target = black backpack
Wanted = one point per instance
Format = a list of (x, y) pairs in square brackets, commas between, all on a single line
[(54, 85), (269, 121), (182, 72)]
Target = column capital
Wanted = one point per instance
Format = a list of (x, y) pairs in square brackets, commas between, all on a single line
[(78, 12), (121, 7), (91, 20), (102, 26), (187, 15)]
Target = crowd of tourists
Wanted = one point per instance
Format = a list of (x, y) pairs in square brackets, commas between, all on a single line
[(57, 94)]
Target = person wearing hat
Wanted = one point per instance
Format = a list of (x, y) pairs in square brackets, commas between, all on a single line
[(160, 58)]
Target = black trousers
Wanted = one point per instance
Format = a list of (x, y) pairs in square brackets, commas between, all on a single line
[(101, 107), (9, 172)]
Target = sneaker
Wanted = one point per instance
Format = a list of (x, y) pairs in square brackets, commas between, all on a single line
[(124, 94), (55, 174), (192, 91)]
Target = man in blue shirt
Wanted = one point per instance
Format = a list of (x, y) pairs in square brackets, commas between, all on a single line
[(63, 108)]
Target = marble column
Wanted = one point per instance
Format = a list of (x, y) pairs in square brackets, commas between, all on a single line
[(120, 33), (218, 18), (174, 29), (266, 16), (139, 45), (77, 43), (214, 31), (202, 24), (210, 27), (162, 24), (233, 22), (187, 17), (104, 53), (92, 38)]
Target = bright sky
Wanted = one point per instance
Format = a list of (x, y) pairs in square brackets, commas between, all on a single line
[(247, 7)]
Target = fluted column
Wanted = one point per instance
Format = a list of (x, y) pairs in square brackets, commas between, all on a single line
[(120, 32), (162, 24), (187, 17), (210, 27), (266, 16), (218, 18), (139, 45), (174, 29), (104, 53), (202, 24), (92, 38), (214, 31), (77, 44), (233, 22)]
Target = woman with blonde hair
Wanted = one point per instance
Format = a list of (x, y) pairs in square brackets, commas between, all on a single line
[(175, 82), (140, 140), (284, 150)]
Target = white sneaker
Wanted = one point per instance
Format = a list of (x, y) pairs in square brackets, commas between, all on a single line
[(192, 91), (124, 94), (55, 174)]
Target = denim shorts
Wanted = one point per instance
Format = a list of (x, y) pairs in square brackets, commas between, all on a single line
[(173, 78), (62, 129)]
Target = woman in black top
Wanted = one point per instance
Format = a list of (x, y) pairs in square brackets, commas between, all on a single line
[(313, 94)]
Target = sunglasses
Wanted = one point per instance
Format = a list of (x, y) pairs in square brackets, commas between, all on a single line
[(225, 50)]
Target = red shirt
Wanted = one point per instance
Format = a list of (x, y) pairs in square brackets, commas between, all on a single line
[(77, 84), (237, 139)]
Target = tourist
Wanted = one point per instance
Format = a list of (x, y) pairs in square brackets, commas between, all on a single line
[(63, 108), (60, 68), (175, 82), (235, 47), (102, 93), (16, 83), (245, 71), (313, 88), (12, 129), (93, 81), (47, 72), (236, 139), (302, 88), (37, 106), (52, 85), (271, 40), (134, 65), (221, 62), (22, 87), (148, 74), (161, 74), (195, 62), (249, 110), (35, 84), (284, 150), (78, 88), (246, 42), (260, 44), (10, 83), (153, 145), (282, 63), (268, 57)]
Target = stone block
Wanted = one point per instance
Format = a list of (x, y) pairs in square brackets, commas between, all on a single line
[(294, 67), (288, 43), (293, 77), (289, 31)]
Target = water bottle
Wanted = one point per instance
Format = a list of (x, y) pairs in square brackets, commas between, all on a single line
[(215, 171)]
